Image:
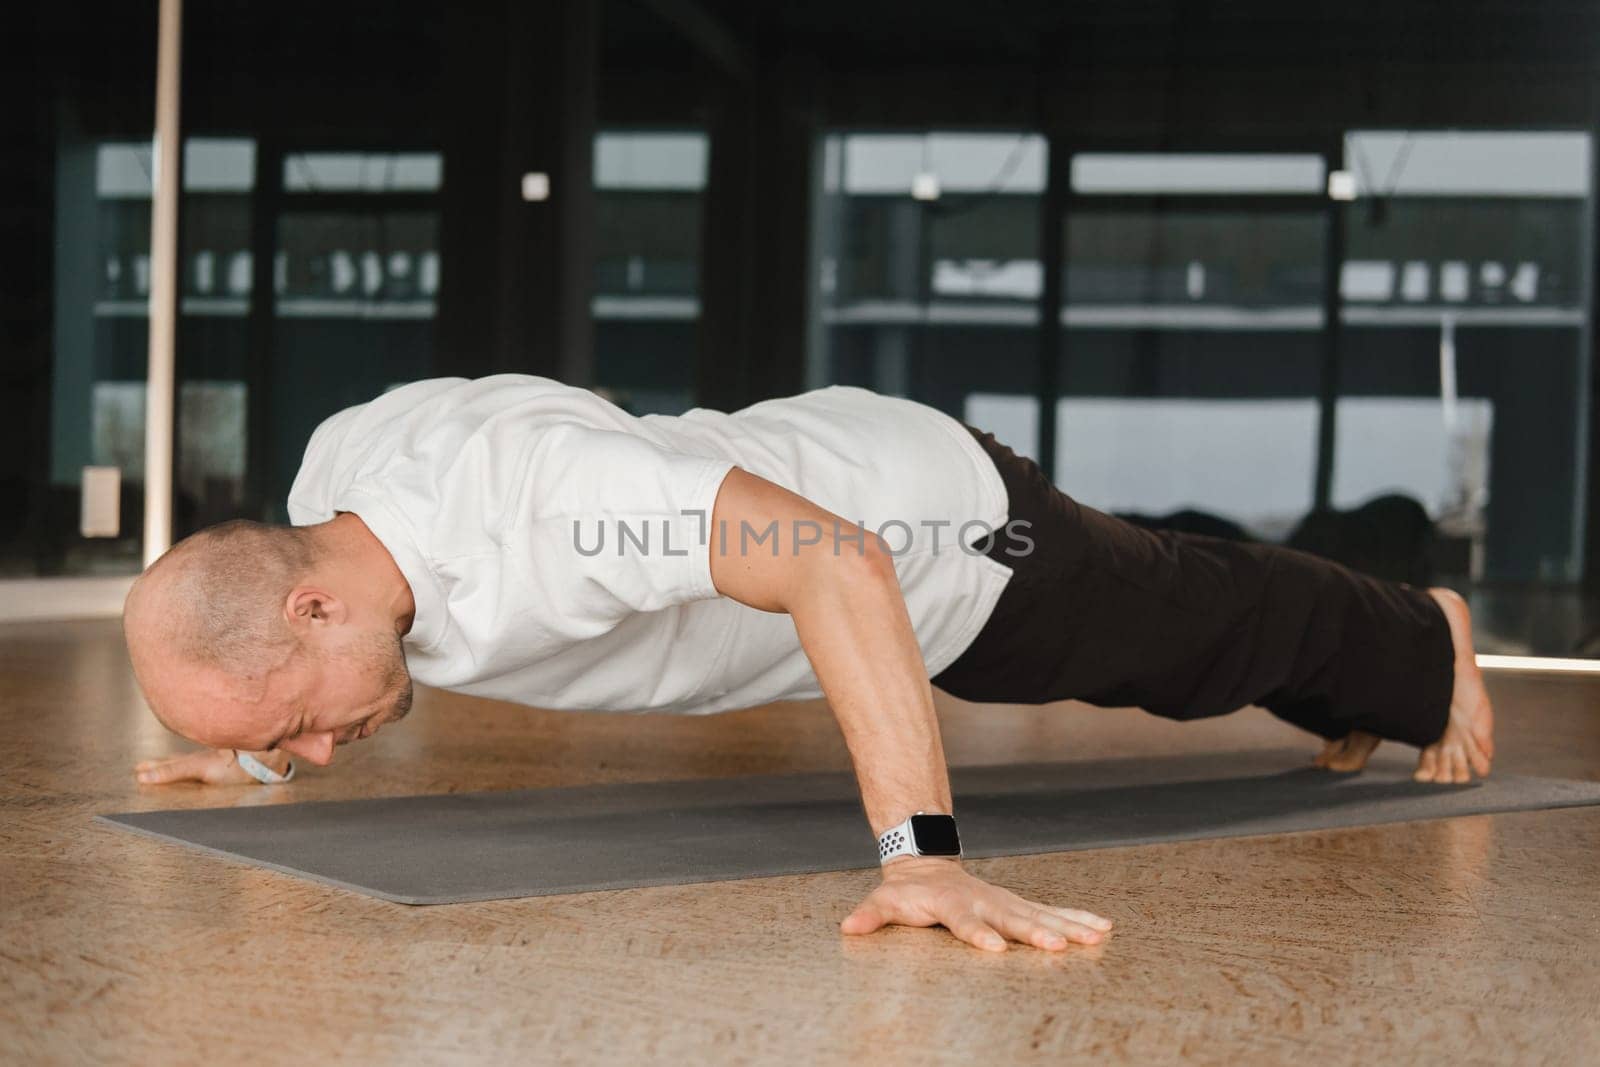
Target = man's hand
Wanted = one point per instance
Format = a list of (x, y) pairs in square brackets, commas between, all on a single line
[(212, 766), (925, 891)]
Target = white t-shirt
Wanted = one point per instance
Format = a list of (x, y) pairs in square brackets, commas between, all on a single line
[(558, 548)]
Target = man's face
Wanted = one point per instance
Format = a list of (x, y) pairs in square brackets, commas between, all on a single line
[(341, 688), (341, 693)]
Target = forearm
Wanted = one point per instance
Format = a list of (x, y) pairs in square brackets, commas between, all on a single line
[(837, 583), (853, 624), (845, 601)]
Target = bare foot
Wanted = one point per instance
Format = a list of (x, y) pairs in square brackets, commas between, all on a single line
[(1467, 746), (1348, 753)]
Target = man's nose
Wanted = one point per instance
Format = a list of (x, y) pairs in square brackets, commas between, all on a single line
[(313, 748)]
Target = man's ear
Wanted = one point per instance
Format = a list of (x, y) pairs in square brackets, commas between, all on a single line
[(310, 605)]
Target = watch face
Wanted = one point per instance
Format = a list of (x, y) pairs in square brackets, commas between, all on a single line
[(935, 835)]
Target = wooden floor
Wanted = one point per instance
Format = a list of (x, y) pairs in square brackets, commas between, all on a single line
[(1468, 940)]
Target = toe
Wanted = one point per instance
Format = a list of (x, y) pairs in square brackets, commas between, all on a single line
[(1348, 753), (1477, 759), (1360, 749), (1483, 736)]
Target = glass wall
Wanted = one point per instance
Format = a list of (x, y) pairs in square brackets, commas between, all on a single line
[(102, 276), (77, 256), (307, 263), (216, 283), (649, 191), (1437, 431), (309, 280), (1192, 349), (352, 247), (355, 273), (1464, 351), (927, 275)]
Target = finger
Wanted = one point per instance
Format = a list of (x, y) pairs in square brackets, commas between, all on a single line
[(166, 772), (1087, 918), (1038, 935), (1033, 923), (864, 920), (1425, 765), (1064, 928), (974, 931), (1458, 766)]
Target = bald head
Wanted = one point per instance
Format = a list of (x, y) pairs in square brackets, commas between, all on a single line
[(216, 598), (252, 636), (210, 614)]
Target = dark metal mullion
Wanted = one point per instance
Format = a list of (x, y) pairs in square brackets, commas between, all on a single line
[(264, 216), (1587, 520), (1332, 300), (1052, 291)]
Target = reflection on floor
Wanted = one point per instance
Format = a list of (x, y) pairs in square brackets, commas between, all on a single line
[(1461, 939)]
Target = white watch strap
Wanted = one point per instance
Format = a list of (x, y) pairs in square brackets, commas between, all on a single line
[(896, 841), (260, 771)]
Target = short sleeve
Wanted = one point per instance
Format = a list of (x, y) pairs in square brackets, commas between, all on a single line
[(612, 524)]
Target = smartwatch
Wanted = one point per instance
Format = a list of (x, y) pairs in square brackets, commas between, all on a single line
[(921, 835)]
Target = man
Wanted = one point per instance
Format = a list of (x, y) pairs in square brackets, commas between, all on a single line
[(516, 538)]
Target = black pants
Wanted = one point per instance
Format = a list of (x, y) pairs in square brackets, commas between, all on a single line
[(1187, 626)]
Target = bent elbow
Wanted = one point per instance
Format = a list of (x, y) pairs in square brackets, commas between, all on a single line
[(875, 560)]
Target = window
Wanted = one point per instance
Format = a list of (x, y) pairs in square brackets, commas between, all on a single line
[(1463, 366), (649, 191), (927, 274), (1191, 351)]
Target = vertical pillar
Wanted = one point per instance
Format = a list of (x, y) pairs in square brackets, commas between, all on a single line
[(1586, 520), (262, 497), (755, 252), (1053, 337), (1332, 324), (161, 390)]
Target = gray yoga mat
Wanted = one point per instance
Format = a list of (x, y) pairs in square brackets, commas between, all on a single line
[(461, 847)]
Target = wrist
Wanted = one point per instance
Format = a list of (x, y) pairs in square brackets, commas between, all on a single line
[(924, 834), (277, 760), (268, 768), (914, 866)]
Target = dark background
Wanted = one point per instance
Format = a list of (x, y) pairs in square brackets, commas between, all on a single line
[(501, 88)]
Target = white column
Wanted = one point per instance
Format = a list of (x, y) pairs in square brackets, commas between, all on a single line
[(161, 390)]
